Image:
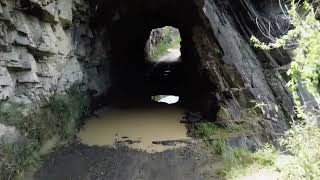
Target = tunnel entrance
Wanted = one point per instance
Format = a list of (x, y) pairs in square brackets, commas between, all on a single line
[(163, 45), (163, 57), (139, 74), (135, 78), (168, 99)]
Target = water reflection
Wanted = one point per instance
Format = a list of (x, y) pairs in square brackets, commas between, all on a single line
[(166, 99)]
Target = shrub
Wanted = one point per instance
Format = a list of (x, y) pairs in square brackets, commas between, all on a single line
[(302, 141), (17, 158), (305, 67)]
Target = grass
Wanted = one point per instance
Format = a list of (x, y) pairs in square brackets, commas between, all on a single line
[(240, 162), (210, 131), (237, 161), (19, 157), (59, 118), (301, 142)]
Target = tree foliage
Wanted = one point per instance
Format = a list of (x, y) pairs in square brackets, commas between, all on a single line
[(305, 38), (302, 140)]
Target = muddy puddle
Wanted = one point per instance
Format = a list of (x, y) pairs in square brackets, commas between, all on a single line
[(136, 127)]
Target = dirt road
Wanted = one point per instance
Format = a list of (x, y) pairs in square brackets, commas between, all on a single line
[(80, 162), (173, 55), (100, 155)]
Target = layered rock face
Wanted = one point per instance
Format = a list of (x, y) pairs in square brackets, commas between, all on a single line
[(247, 77), (45, 47)]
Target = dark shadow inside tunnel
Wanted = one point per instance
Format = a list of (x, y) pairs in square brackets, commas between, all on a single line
[(129, 24)]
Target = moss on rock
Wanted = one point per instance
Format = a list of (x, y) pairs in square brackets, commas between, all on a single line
[(59, 120)]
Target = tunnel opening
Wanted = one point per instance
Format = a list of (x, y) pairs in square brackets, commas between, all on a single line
[(134, 80), (168, 99), (163, 57), (145, 93), (163, 45)]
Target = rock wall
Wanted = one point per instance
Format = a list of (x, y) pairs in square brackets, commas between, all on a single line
[(245, 77), (46, 46)]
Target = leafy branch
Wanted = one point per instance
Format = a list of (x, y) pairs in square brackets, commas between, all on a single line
[(305, 38)]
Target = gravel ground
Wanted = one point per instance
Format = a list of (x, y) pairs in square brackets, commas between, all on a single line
[(81, 162)]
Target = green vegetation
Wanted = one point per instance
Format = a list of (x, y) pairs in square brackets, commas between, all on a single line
[(240, 162), (59, 118), (237, 161), (302, 140), (170, 40), (248, 125), (214, 136), (211, 131), (305, 67)]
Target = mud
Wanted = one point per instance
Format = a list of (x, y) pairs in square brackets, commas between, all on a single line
[(137, 127)]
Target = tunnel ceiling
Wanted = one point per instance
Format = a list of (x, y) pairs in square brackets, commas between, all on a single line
[(151, 13)]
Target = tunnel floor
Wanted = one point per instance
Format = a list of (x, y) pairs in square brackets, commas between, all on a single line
[(137, 127), (81, 162), (134, 138), (116, 144)]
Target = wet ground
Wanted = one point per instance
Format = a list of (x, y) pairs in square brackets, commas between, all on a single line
[(103, 151), (117, 144), (137, 127), (81, 162)]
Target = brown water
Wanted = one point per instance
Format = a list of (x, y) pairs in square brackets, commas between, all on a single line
[(138, 125)]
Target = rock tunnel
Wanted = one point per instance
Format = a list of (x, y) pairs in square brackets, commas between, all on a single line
[(50, 46), (133, 80)]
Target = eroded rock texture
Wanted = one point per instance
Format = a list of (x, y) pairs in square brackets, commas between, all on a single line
[(45, 49), (249, 77)]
